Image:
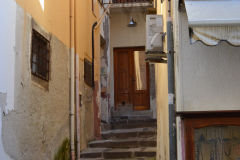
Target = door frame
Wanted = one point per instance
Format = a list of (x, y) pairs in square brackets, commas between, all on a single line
[(115, 51), (192, 123)]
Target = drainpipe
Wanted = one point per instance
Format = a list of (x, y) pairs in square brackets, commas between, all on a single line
[(72, 81), (94, 26), (93, 51), (77, 100), (171, 88)]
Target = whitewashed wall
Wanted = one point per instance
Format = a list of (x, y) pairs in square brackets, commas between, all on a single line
[(7, 61)]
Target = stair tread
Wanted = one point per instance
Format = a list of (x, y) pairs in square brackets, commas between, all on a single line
[(138, 158), (129, 138), (100, 150), (144, 129), (153, 138), (121, 119)]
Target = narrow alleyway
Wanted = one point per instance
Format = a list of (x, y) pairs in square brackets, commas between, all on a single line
[(127, 137)]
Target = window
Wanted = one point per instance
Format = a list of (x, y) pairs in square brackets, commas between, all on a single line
[(212, 138), (40, 56), (88, 73)]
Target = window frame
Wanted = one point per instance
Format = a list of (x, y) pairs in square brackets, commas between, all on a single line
[(36, 36), (190, 124)]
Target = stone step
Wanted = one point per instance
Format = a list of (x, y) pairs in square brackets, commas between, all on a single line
[(138, 158), (124, 143), (123, 123), (128, 111), (127, 133), (110, 153)]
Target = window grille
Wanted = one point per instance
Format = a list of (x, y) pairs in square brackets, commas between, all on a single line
[(88, 73), (40, 54)]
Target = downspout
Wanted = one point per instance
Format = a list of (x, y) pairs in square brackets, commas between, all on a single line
[(77, 100), (93, 51), (171, 87), (94, 26), (72, 81)]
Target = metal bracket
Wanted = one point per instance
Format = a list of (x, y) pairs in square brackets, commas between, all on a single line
[(171, 52), (156, 57)]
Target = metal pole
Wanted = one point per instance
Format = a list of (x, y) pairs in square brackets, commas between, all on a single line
[(72, 81), (171, 92)]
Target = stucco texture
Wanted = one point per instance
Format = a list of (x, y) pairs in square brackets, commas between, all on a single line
[(40, 120), (161, 73), (162, 112), (89, 111), (208, 77), (105, 70)]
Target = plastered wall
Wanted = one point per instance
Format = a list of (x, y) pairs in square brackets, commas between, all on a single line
[(7, 59), (162, 95), (52, 15), (105, 70), (89, 111), (208, 76), (39, 122), (162, 112)]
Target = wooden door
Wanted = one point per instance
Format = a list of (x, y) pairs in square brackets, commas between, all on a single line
[(131, 78), (140, 80), (122, 78)]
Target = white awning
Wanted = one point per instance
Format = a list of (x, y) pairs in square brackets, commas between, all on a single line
[(214, 20)]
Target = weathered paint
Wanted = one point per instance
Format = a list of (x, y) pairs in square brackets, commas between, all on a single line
[(105, 70), (96, 107), (89, 111), (217, 142), (152, 90), (38, 108), (3, 154), (86, 110), (39, 121)]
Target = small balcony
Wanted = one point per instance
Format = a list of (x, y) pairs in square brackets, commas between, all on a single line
[(131, 3)]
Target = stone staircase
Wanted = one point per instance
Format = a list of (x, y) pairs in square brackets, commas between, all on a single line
[(126, 138)]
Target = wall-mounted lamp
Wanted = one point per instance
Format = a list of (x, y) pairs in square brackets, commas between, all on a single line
[(132, 23)]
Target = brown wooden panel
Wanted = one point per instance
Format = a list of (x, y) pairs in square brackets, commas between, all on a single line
[(122, 77), (124, 80), (190, 124)]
